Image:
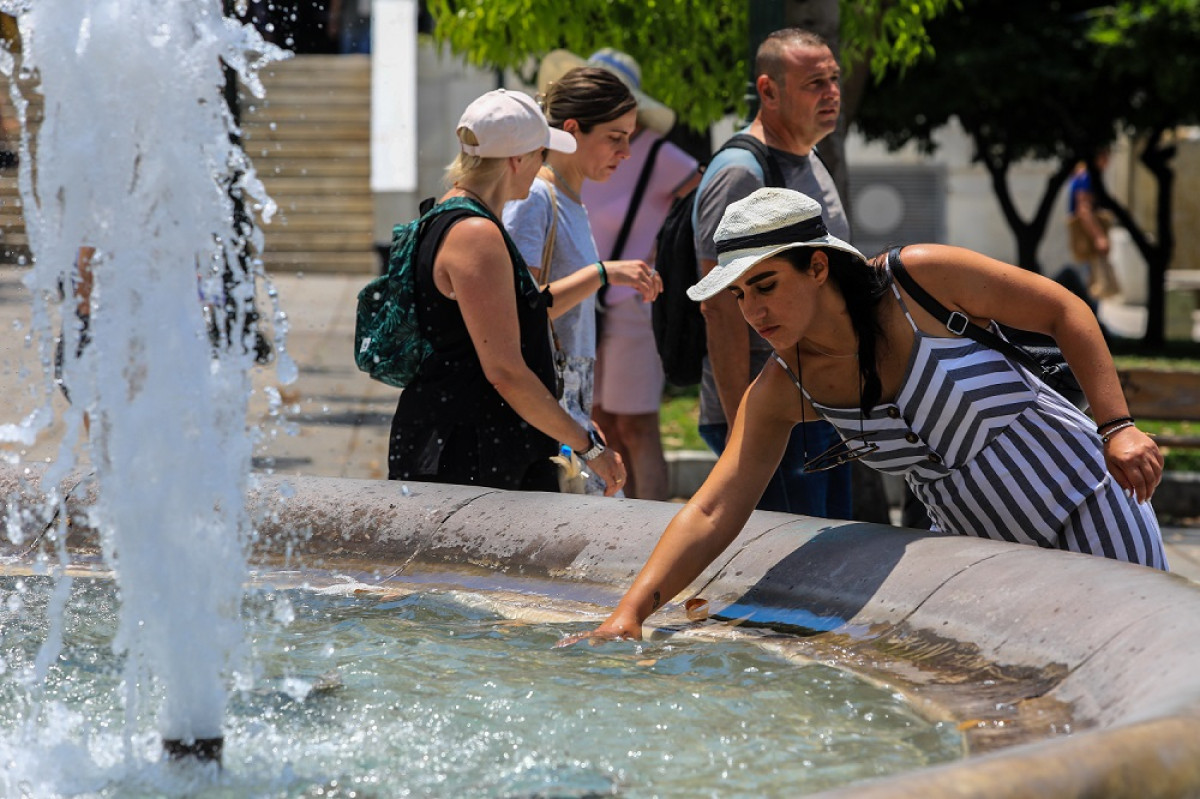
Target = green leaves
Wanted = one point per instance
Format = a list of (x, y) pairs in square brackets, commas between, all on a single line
[(889, 35), (693, 55)]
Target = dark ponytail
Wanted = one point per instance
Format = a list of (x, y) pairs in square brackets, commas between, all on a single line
[(862, 286)]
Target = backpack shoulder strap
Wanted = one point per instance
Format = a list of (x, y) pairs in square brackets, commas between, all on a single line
[(434, 226), (956, 321), (438, 220), (635, 200), (772, 174), (817, 152)]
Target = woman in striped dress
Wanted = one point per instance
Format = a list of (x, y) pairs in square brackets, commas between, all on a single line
[(987, 447)]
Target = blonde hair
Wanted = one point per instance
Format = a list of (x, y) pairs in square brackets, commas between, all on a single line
[(478, 168)]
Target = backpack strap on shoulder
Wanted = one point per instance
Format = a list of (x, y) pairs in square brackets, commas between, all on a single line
[(435, 225), (772, 174), (434, 229)]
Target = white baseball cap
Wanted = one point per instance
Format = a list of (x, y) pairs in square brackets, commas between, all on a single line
[(757, 227), (510, 123)]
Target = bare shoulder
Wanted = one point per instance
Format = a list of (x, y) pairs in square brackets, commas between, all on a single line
[(471, 244), (475, 231), (774, 396), (945, 268), (927, 256)]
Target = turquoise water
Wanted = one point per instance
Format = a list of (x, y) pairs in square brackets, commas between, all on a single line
[(435, 695)]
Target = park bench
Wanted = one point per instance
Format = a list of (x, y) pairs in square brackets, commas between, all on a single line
[(1164, 395)]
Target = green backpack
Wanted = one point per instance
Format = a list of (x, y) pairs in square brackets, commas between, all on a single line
[(388, 344)]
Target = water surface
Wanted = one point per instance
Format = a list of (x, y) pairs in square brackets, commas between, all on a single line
[(435, 694)]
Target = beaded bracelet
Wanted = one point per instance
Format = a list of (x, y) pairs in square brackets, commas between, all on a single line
[(603, 273), (1111, 422), (1113, 431)]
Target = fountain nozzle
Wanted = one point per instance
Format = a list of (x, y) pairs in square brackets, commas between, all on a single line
[(204, 750)]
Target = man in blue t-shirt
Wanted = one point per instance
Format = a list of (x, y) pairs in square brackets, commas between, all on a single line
[(1087, 226)]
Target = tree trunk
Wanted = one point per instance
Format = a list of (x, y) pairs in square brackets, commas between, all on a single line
[(997, 168), (1158, 161), (1028, 235)]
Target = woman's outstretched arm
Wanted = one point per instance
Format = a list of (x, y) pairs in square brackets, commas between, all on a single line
[(716, 514)]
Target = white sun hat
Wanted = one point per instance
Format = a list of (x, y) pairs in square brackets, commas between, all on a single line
[(766, 223), (510, 123)]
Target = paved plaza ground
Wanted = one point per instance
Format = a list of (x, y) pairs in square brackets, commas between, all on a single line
[(333, 420)]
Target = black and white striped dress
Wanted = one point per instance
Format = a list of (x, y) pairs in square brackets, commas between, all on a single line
[(993, 452)]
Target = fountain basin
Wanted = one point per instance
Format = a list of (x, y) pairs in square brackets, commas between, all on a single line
[(1070, 675)]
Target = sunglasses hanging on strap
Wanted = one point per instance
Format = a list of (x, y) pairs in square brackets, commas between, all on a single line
[(1043, 359)]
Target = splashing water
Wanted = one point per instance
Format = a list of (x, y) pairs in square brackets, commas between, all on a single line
[(136, 159)]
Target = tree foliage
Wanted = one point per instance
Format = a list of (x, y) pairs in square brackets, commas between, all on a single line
[(1053, 80), (889, 35), (694, 55)]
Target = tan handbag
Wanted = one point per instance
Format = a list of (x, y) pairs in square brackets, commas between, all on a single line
[(1083, 246)]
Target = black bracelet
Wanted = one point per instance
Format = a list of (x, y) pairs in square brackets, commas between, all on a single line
[(1101, 427), (603, 273)]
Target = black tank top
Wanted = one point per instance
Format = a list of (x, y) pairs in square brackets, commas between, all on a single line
[(451, 425)]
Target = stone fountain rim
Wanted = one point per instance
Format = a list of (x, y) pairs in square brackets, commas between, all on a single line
[(1127, 638)]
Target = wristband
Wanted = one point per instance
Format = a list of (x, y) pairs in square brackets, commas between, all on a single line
[(1100, 427), (1113, 431), (603, 273)]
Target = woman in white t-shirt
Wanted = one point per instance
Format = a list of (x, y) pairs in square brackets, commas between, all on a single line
[(595, 107)]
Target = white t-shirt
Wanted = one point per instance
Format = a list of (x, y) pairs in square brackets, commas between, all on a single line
[(528, 222)]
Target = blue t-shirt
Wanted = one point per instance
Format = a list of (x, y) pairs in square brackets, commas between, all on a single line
[(528, 222), (1080, 181)]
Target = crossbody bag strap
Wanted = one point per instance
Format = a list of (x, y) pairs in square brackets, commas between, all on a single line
[(635, 201), (956, 321), (551, 234), (547, 255)]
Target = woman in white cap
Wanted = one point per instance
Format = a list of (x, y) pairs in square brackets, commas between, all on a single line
[(987, 447), (552, 229), (483, 408)]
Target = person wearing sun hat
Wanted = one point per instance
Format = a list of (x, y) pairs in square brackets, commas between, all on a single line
[(483, 408), (990, 450), (771, 221), (629, 377)]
